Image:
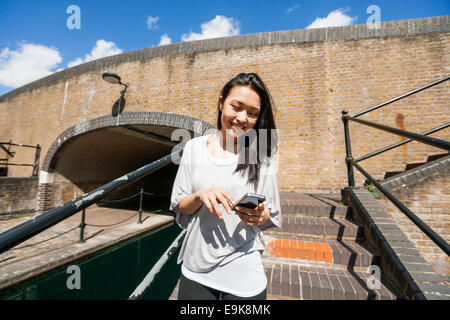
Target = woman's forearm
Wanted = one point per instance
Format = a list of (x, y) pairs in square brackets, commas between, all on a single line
[(190, 204), (211, 198)]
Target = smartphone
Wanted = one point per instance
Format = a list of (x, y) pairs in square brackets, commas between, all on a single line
[(249, 200)]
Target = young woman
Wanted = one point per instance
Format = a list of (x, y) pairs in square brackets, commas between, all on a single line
[(221, 252)]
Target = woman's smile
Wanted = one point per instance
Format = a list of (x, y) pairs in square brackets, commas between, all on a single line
[(237, 128)]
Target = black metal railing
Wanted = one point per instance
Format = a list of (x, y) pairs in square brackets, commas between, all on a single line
[(141, 193), (412, 136), (4, 162), (30, 228)]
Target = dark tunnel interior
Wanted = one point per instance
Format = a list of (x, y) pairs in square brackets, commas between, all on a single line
[(93, 159)]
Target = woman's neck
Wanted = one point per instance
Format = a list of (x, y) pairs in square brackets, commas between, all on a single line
[(227, 143), (217, 146)]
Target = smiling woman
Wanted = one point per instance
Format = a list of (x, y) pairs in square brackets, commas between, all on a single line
[(221, 252)]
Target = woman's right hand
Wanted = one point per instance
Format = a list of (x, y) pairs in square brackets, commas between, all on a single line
[(212, 197)]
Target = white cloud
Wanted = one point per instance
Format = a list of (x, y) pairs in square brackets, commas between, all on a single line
[(292, 9), (165, 39), (336, 18), (102, 49), (152, 22), (28, 63), (220, 26)]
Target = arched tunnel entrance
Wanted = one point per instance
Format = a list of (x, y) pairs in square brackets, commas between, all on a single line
[(98, 151)]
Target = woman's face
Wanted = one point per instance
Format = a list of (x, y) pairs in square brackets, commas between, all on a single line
[(240, 111)]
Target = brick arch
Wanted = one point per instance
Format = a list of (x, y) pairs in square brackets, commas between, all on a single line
[(192, 124)]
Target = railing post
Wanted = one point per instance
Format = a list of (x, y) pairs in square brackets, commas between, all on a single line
[(348, 151), (36, 161), (82, 226), (140, 206)]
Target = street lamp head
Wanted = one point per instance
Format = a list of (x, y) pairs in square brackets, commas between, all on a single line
[(111, 78)]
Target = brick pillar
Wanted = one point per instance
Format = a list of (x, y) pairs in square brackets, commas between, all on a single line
[(45, 190), (44, 197)]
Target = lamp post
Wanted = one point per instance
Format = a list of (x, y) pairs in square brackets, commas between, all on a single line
[(115, 79)]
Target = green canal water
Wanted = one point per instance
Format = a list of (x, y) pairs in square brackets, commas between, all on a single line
[(113, 273)]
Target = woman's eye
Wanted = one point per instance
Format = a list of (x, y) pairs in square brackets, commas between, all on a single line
[(235, 107)]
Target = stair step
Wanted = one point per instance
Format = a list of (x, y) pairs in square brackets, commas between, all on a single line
[(320, 205), (318, 227), (410, 166), (437, 156), (391, 174), (341, 254), (413, 165), (302, 282), (314, 211), (312, 205)]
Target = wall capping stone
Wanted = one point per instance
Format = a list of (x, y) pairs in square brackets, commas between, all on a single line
[(398, 28)]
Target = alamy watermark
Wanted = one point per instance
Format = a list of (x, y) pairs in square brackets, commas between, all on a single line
[(74, 20), (251, 145), (373, 21), (74, 280), (374, 282)]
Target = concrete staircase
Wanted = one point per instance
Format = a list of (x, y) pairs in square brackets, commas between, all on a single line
[(319, 253), (432, 164)]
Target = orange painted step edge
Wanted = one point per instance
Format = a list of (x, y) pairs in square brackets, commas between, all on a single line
[(270, 248), (304, 250), (327, 253), (293, 252), (310, 254), (285, 248), (301, 250), (278, 248)]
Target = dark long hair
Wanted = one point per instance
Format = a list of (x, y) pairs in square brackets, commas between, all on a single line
[(265, 121)]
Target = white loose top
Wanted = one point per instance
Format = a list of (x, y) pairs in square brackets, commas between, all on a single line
[(222, 254)]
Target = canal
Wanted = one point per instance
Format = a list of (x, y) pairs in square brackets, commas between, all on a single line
[(112, 273)]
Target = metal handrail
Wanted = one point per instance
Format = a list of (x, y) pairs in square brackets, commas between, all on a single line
[(142, 288), (438, 143), (28, 229), (35, 164), (398, 144), (83, 224), (441, 243)]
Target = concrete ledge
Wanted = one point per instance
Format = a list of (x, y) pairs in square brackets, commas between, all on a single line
[(12, 214), (401, 263), (16, 272), (8, 179)]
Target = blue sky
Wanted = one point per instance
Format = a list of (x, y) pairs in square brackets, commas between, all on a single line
[(35, 39)]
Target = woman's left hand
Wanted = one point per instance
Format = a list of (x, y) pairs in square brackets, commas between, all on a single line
[(253, 217)]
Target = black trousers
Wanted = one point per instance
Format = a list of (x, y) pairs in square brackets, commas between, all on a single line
[(191, 290)]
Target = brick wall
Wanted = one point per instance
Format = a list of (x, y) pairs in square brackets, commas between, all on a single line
[(17, 195), (312, 74), (55, 194), (429, 199)]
